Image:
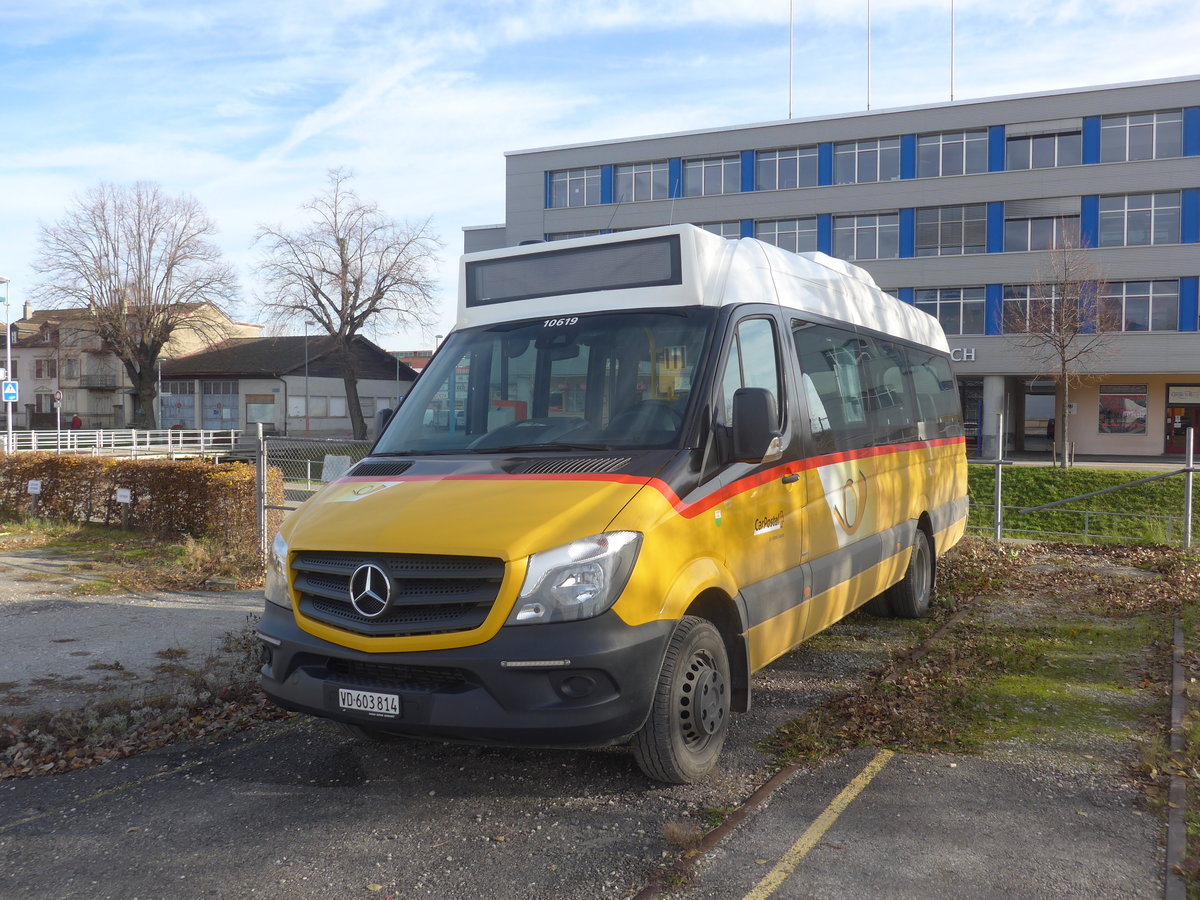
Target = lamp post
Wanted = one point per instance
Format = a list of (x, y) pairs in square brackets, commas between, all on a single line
[(8, 438)]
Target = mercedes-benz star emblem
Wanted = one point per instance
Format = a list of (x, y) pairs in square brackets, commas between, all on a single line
[(370, 589)]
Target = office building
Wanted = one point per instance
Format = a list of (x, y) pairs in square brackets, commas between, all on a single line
[(959, 208)]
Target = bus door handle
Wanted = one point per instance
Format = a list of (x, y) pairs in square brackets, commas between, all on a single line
[(792, 478)]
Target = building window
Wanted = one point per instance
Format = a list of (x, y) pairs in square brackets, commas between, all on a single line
[(179, 388), (1156, 135), (43, 403), (1123, 408), (319, 404), (729, 230), (952, 153), (1044, 151), (951, 230), (859, 162), (1041, 233), (796, 235), (781, 170), (875, 236), (575, 187), (70, 368), (642, 181), (567, 235), (1133, 219), (219, 387), (45, 368), (1028, 308), (1140, 306), (959, 310), (718, 175)]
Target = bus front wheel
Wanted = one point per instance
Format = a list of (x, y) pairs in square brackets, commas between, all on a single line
[(683, 736)]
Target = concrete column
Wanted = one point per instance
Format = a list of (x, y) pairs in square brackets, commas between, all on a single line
[(993, 402)]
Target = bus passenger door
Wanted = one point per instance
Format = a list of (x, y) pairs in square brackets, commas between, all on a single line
[(758, 517)]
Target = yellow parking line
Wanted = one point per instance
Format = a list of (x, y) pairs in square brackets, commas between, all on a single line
[(779, 874)]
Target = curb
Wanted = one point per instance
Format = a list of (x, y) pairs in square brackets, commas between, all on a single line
[(1176, 889)]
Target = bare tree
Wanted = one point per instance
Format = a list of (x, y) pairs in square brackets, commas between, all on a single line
[(352, 269), (142, 265), (1063, 323)]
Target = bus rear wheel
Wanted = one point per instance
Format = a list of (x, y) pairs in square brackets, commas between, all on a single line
[(909, 597), (683, 736)]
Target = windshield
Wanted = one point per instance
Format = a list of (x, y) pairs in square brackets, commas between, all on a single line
[(608, 380)]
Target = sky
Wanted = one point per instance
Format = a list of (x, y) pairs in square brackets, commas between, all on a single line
[(247, 106)]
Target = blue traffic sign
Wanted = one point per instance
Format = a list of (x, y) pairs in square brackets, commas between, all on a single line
[(9, 392)]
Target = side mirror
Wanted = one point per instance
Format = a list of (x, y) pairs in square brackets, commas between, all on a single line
[(756, 436)]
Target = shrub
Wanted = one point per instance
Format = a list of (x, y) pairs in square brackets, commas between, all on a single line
[(167, 497)]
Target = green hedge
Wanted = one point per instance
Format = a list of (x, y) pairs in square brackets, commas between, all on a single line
[(168, 497), (1027, 486)]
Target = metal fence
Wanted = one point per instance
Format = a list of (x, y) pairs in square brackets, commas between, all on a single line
[(164, 442), (306, 465), (1094, 525)]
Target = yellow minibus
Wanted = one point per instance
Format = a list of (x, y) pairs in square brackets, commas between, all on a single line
[(641, 467)]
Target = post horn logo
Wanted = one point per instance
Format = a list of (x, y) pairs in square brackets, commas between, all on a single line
[(854, 497)]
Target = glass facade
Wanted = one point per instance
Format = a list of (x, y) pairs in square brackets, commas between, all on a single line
[(875, 236), (797, 235), (952, 153), (960, 310), (1137, 219), (951, 230)]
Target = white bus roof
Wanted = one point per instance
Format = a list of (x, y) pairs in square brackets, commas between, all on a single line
[(712, 271)]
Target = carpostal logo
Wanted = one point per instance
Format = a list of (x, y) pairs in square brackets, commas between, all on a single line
[(767, 524)]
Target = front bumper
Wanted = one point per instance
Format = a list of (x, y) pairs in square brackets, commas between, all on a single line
[(594, 686)]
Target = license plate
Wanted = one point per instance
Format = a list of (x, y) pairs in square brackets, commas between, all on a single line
[(369, 702)]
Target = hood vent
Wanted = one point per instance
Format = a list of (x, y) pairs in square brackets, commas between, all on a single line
[(572, 466), (380, 469)]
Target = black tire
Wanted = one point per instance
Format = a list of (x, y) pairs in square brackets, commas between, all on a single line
[(366, 733), (689, 718), (909, 597), (880, 606)]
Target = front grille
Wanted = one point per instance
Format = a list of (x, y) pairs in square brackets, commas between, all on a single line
[(429, 594), (367, 676)]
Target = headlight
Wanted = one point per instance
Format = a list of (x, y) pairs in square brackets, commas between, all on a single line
[(277, 591), (576, 581)]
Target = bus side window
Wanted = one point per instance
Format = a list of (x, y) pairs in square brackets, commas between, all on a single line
[(937, 394), (886, 394), (752, 362), (829, 362)]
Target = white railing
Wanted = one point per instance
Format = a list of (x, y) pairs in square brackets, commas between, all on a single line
[(168, 442)]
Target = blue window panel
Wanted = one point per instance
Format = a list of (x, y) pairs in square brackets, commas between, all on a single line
[(824, 165), (908, 295), (747, 228), (995, 228), (549, 190), (1189, 216), (606, 184), (993, 309), (825, 233), (1091, 140), (1089, 220), (1189, 302), (908, 233), (908, 156), (747, 171), (1191, 131), (995, 148), (675, 176)]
